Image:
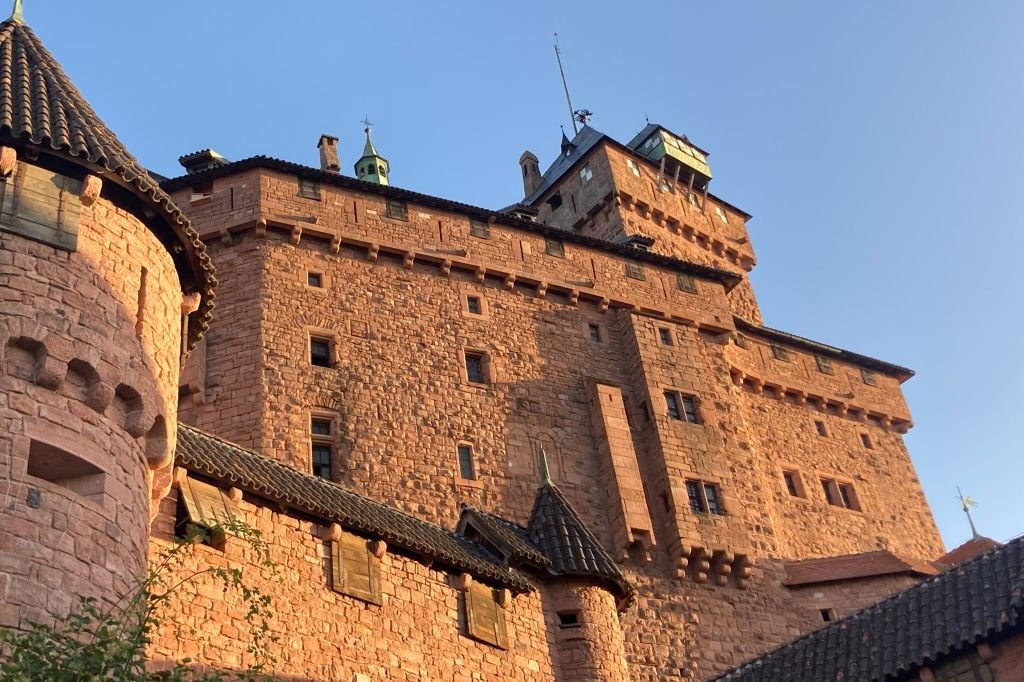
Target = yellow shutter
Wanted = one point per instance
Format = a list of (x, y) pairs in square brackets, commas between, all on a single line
[(354, 569), (485, 617)]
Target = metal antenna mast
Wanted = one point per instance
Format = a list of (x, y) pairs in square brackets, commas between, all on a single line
[(572, 113), (967, 502)]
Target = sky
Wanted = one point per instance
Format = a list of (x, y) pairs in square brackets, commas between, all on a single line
[(878, 145)]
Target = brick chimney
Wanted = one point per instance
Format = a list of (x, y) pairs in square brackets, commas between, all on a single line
[(329, 154), (531, 172)]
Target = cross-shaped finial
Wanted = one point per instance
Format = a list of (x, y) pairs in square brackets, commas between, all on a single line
[(366, 122)]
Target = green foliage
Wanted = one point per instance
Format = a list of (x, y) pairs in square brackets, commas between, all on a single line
[(92, 643)]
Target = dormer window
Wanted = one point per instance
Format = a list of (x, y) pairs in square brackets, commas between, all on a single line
[(586, 174)]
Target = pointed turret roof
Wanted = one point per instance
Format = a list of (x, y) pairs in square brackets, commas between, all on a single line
[(368, 148), (40, 107), (559, 532)]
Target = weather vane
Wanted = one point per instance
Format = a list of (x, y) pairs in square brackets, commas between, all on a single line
[(582, 115), (366, 122), (968, 504)]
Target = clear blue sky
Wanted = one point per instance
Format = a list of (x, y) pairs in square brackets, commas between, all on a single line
[(878, 145)]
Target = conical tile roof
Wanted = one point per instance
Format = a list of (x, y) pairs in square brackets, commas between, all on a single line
[(565, 540), (40, 106)]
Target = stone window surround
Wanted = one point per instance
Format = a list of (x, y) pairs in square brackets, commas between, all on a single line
[(602, 331), (488, 367), (332, 344), (330, 439), (35, 429), (680, 395), (837, 481), (724, 504), (665, 337), (798, 480), (325, 280), (468, 482), (485, 310)]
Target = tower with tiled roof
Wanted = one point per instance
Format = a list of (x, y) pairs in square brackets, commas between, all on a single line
[(105, 286), (371, 166)]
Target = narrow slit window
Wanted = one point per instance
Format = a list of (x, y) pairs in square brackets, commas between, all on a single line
[(828, 615), (466, 469), (865, 440), (819, 426), (595, 332), (792, 483)]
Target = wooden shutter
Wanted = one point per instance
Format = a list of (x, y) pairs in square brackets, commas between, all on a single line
[(354, 569), (485, 616), (207, 505), (42, 205)]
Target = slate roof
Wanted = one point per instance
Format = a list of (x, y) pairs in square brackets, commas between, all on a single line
[(852, 566), (823, 349), (512, 537), (967, 551), (231, 464), (728, 279), (565, 540), (578, 147), (968, 604), (40, 105)]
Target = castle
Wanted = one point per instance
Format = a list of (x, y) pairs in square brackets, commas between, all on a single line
[(551, 441)]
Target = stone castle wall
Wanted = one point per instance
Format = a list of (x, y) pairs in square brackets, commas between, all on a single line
[(89, 362), (394, 305)]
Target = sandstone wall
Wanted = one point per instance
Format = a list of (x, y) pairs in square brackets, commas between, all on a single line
[(89, 361)]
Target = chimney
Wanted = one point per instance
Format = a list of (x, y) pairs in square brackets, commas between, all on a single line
[(329, 154), (531, 172)]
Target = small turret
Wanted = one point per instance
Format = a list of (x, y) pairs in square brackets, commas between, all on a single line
[(371, 166)]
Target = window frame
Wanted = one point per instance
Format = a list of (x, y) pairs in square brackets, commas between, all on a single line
[(686, 282), (865, 440), (635, 270), (309, 189), (328, 358), (461, 447), (691, 408), (318, 276), (586, 174), (869, 377), (554, 247), (672, 406), (665, 337), (633, 166), (824, 365), (793, 482), (821, 428), (483, 357), (700, 502), (780, 353), (479, 228), (595, 333)]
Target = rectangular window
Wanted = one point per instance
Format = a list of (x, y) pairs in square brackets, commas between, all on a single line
[(633, 167), (586, 174), (672, 402), (865, 440), (315, 279), (686, 283), (319, 352), (721, 214), (635, 270), (595, 333), (819, 426), (473, 305), (355, 570), (869, 377), (320, 427), (479, 228), (741, 341), (831, 491), (570, 619), (398, 209), (485, 616), (705, 498), (466, 470), (824, 364), (848, 496), (322, 461), (475, 368), (309, 189), (206, 506), (554, 247), (828, 615), (780, 353), (665, 336), (792, 483), (690, 409)]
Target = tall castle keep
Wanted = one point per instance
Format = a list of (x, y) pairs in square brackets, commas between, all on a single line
[(554, 441)]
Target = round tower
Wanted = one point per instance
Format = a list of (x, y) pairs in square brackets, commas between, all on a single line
[(104, 286), (585, 621)]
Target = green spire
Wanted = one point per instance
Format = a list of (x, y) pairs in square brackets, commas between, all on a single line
[(17, 14), (371, 166)]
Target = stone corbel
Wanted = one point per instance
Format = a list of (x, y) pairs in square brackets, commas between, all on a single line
[(378, 548), (480, 273), (235, 494), (446, 267), (225, 237), (462, 581), (510, 281), (701, 564), (372, 252), (603, 305), (574, 296), (261, 228), (296, 234), (721, 565), (190, 303), (179, 476), (542, 290), (331, 533), (741, 569), (91, 187), (505, 598), (8, 160), (409, 260), (335, 246)]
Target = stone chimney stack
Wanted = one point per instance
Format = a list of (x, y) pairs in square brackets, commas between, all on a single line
[(531, 172), (329, 154)]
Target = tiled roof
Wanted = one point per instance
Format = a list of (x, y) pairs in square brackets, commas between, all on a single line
[(561, 534), (513, 538), (220, 460), (850, 566), (823, 349), (967, 551), (943, 615), (39, 105), (728, 279)]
